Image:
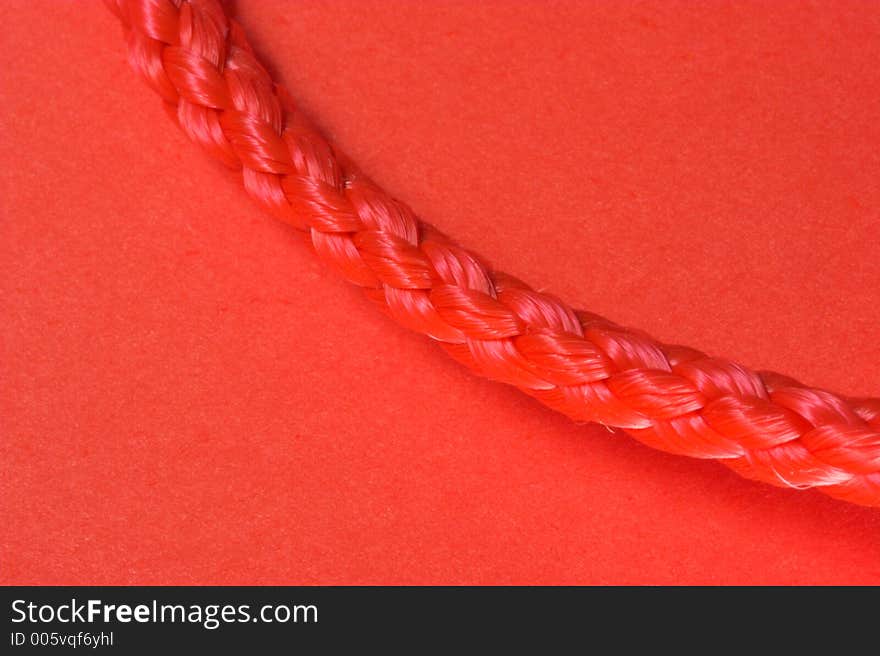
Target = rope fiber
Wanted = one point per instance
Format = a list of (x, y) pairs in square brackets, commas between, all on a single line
[(763, 425)]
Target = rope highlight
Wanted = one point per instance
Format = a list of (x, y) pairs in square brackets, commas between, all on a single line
[(763, 425)]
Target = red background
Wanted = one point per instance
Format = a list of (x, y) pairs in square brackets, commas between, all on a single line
[(188, 396)]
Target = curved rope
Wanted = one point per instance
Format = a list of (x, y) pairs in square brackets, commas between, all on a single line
[(764, 426)]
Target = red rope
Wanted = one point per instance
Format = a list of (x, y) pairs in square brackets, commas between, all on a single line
[(762, 425)]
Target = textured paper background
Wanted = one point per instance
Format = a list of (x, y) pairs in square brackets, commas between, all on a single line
[(188, 396)]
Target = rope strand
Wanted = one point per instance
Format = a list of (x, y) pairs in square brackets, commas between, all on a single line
[(764, 426)]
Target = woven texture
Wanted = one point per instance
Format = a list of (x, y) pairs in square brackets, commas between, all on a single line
[(193, 397), (763, 425)]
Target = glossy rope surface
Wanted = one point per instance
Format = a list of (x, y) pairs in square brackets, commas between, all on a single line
[(763, 425)]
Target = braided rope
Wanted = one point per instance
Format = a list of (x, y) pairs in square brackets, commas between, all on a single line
[(764, 426)]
